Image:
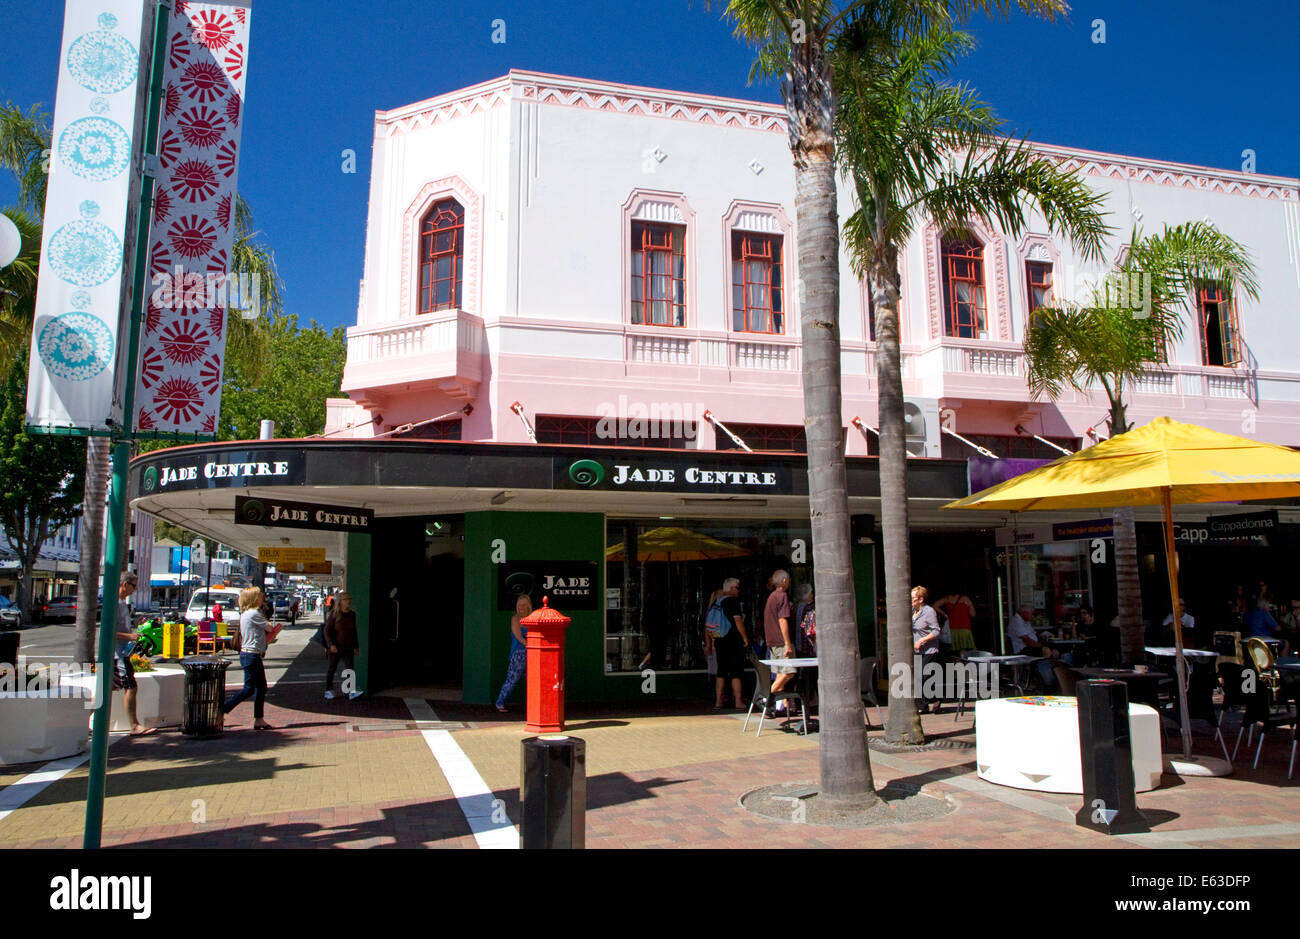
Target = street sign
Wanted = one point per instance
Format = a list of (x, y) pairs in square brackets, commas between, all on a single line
[(290, 556), (280, 513), (308, 567)]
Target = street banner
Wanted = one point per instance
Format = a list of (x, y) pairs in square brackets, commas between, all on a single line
[(183, 343), (80, 327)]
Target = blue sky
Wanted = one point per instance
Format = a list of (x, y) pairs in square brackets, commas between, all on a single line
[(1192, 81)]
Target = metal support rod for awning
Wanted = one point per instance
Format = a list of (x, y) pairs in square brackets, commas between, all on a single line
[(974, 446), (1021, 430), (863, 427), (519, 409), (405, 428), (708, 416)]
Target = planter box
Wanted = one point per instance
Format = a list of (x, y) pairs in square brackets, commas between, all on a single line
[(35, 727), (159, 702)]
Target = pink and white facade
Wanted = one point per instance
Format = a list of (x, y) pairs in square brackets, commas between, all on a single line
[(557, 189)]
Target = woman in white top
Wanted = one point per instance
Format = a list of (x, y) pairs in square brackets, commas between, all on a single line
[(252, 630)]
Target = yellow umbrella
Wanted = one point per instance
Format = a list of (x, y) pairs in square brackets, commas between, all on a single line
[(669, 543), (1161, 463)]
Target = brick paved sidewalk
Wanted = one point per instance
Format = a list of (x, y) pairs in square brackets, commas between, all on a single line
[(661, 775)]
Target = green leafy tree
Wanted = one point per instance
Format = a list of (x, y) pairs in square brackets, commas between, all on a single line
[(18, 290), (41, 480), (1114, 339), (915, 147), (794, 39), (301, 368)]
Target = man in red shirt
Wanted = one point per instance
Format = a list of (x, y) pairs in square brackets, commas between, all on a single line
[(776, 628)]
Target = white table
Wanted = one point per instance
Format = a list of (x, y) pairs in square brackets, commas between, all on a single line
[(1171, 652), (790, 663), (1033, 743)]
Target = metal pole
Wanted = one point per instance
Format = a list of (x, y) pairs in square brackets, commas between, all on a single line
[(1171, 561), (113, 555)]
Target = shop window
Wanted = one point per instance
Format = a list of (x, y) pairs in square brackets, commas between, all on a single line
[(628, 431), (965, 314), (442, 257), (765, 437), (658, 274), (1038, 275), (1220, 343), (757, 283)]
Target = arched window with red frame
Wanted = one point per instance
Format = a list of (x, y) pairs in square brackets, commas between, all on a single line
[(442, 257), (757, 283), (1220, 343), (658, 274), (965, 312)]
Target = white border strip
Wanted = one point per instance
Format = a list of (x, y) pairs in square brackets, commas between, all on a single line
[(16, 795), (476, 800)]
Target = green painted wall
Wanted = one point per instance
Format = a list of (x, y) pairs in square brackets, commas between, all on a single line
[(556, 536), (864, 590), (357, 583)]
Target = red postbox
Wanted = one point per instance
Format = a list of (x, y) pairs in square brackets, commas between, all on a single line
[(545, 668)]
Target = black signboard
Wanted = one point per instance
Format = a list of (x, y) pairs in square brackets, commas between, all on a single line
[(1249, 529), (279, 513), (223, 469), (570, 585), (663, 472)]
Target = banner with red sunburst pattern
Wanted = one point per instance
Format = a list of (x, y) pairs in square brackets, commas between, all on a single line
[(182, 343)]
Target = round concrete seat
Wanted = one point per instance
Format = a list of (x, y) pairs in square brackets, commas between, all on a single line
[(1033, 743)]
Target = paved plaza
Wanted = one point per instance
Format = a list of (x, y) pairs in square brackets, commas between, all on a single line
[(414, 770)]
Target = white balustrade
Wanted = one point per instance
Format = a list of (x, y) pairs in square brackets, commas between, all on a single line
[(407, 338), (1157, 383), (669, 350), (765, 356)]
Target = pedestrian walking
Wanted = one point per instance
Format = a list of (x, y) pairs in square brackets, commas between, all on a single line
[(253, 628), (341, 643), (124, 642), (959, 609), (925, 638), (726, 634), (518, 650)]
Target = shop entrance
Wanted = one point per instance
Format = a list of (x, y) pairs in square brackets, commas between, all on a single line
[(417, 605)]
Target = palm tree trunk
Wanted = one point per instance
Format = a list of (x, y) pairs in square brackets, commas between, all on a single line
[(1128, 585), (845, 766), (92, 544), (904, 722)]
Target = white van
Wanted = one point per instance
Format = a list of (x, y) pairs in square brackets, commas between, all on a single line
[(228, 597)]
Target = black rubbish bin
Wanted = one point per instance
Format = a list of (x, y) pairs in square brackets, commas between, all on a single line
[(553, 791), (205, 692), (9, 648)]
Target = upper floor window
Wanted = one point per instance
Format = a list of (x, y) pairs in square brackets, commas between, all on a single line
[(765, 437), (607, 432), (442, 257), (1038, 276), (436, 430), (658, 274), (1220, 344), (965, 313), (757, 283)]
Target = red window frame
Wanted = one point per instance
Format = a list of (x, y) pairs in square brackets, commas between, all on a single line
[(1038, 279), (962, 258), (782, 438), (442, 256), (757, 284), (1225, 312), (557, 428), (658, 274)]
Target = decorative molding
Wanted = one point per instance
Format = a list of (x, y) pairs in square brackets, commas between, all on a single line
[(472, 202), (440, 110), (1113, 167), (996, 302), (1036, 247), (652, 205), (770, 218)]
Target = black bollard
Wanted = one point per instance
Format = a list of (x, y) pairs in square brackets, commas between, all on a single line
[(1106, 758), (554, 792)]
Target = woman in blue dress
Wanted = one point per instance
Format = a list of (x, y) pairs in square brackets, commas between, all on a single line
[(518, 650)]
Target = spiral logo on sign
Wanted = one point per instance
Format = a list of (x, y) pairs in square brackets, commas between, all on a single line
[(150, 479), (252, 512), (586, 472)]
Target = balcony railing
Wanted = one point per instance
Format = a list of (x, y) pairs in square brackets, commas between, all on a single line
[(779, 354)]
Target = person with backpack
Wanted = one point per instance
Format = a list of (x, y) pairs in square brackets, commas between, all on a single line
[(724, 626)]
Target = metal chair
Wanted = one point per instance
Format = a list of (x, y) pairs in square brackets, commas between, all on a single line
[(867, 679), (765, 699), (1261, 656), (970, 688)]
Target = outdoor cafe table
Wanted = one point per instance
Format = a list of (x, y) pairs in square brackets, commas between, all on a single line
[(1201, 679), (1017, 662), (794, 663), (1142, 685)]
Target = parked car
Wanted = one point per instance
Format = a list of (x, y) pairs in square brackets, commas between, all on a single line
[(201, 605), (59, 608), (11, 617), (281, 600)]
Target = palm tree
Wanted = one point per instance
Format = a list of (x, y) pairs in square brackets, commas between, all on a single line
[(1107, 343), (18, 291), (914, 147), (794, 39)]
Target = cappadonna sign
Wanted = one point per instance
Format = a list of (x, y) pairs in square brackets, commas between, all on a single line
[(278, 513)]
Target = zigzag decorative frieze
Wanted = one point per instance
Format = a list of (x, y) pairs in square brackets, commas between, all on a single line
[(1161, 177), (655, 107), (462, 107)]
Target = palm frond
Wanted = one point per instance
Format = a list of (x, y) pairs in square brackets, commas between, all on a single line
[(24, 148)]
